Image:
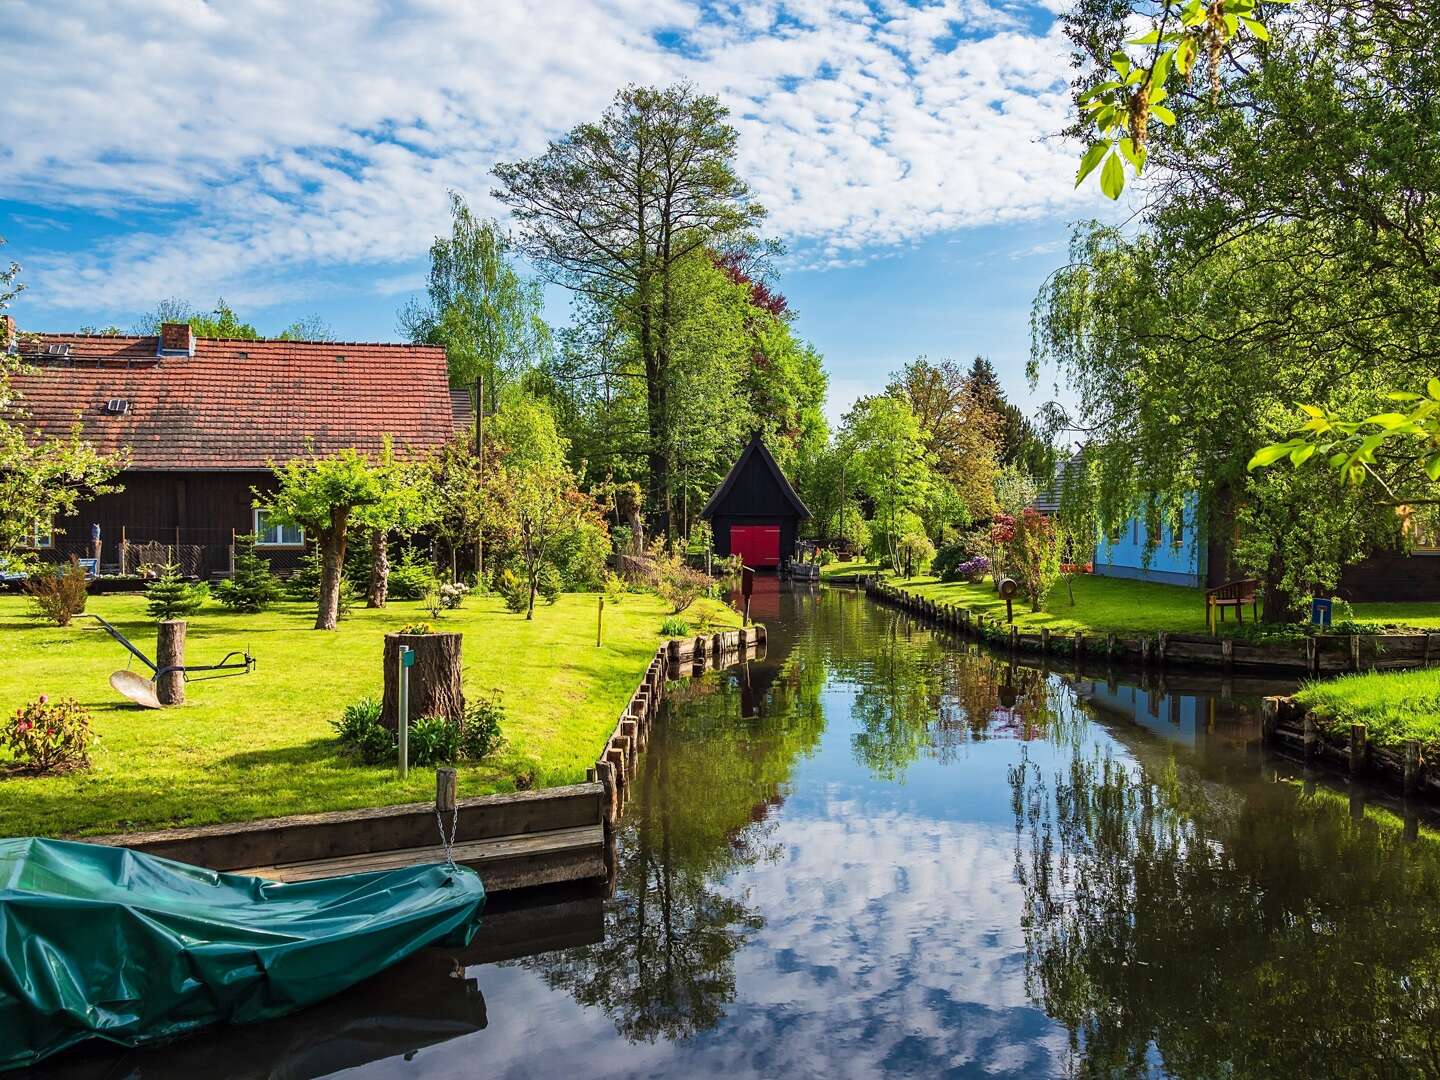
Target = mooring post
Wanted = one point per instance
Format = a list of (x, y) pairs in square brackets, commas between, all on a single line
[(1312, 655), (1412, 765), (1355, 651), (170, 660), (1311, 735), (1357, 747), (1110, 646), (445, 783), (1162, 647), (1044, 641), (1079, 644)]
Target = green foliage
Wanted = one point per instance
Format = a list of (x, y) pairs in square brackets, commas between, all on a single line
[(252, 587), (434, 740), (304, 584), (488, 318), (514, 590), (890, 465), (170, 596), (1034, 556), (360, 731), (416, 628), (47, 736), (675, 626), (484, 722), (58, 593), (914, 552), (411, 578), (1394, 706)]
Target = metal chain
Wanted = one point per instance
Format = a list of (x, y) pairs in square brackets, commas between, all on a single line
[(448, 843)]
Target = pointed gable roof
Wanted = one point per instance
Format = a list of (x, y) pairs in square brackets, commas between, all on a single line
[(754, 448)]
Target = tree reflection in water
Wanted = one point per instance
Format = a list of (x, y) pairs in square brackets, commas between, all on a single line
[(699, 812), (1207, 931)]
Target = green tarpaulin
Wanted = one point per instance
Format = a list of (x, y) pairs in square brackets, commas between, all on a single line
[(103, 942)]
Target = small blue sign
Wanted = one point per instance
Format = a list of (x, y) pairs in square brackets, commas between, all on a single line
[(1320, 611), (407, 658)]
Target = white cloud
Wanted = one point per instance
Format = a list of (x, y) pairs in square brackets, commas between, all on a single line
[(257, 146)]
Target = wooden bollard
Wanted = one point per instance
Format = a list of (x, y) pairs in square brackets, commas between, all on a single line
[(760, 634), (1310, 734), (590, 775), (1312, 655), (1079, 644), (674, 650), (610, 800), (170, 653), (1357, 747), (1355, 651), (1110, 646), (1014, 638), (1269, 717), (1227, 651), (1145, 646), (1412, 766), (1044, 641), (445, 788), (629, 735), (616, 756), (717, 645), (1162, 646)]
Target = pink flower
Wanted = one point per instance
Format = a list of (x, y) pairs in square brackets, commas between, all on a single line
[(44, 698)]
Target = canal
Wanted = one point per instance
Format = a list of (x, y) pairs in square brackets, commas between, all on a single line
[(880, 851)]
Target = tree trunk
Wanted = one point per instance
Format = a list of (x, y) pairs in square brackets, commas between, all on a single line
[(170, 652), (332, 563), (435, 688), (379, 569), (530, 611)]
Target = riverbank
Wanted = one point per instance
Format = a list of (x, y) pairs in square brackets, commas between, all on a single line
[(260, 745), (1394, 706)]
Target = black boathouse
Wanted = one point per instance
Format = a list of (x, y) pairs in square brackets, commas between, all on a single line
[(755, 513)]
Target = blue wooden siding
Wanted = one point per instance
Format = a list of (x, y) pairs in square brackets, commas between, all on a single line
[(1175, 561)]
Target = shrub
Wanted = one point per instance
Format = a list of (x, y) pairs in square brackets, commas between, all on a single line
[(914, 551), (58, 595), (549, 585), (1033, 556), (826, 557), (50, 736), (947, 558), (434, 740), (170, 596), (304, 584), (614, 588), (410, 579), (674, 626), (452, 594), (973, 569), (512, 590), (360, 731), (252, 587), (483, 718)]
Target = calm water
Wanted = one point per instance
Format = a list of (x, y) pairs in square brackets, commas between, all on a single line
[(876, 852)]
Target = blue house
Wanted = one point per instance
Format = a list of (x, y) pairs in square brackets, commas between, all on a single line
[(1178, 559)]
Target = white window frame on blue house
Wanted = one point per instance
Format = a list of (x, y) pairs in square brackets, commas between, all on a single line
[(276, 536)]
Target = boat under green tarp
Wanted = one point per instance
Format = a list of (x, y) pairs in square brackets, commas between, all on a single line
[(103, 942)]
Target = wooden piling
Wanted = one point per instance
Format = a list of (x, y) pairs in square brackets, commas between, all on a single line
[(1412, 766), (445, 788), (1044, 641), (1357, 747), (1310, 735), (1355, 652)]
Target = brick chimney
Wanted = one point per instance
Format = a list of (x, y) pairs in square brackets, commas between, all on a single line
[(7, 332), (176, 339)]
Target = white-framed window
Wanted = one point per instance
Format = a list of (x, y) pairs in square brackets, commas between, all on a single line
[(43, 538), (277, 535)]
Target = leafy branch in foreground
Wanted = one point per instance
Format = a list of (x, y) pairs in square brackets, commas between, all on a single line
[(1356, 449), (1120, 108)]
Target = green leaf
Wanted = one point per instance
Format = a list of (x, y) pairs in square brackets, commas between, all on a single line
[(1112, 177), (1301, 454), (1148, 39), (1092, 158), (1161, 70), (1256, 27), (1432, 466), (1387, 420), (1268, 455), (1120, 62), (1433, 388), (1127, 147), (1311, 410), (1232, 24), (1404, 395), (1185, 56), (1164, 115)]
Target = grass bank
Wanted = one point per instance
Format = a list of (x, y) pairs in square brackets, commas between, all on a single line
[(1394, 706), (848, 569), (1118, 605), (259, 745)]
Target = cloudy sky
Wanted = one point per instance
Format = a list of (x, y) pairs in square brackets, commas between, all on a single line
[(294, 157)]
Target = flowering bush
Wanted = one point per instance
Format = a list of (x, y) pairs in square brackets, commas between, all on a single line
[(972, 569), (58, 595), (50, 736), (452, 594)]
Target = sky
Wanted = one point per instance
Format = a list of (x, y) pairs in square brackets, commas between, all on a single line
[(295, 158)]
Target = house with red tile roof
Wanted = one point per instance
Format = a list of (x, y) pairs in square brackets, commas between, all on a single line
[(203, 420)]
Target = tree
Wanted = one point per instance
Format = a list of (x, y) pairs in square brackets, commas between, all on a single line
[(1034, 556), (408, 506), (170, 596), (41, 479), (251, 587), (320, 495), (961, 433), (488, 318), (1017, 442), (613, 208), (223, 322), (888, 462)]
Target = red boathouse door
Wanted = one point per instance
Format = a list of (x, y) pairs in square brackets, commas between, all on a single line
[(757, 545)]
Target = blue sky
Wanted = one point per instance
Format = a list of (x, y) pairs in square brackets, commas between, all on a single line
[(295, 158)]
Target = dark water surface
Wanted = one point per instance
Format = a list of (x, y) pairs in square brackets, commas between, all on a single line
[(879, 852)]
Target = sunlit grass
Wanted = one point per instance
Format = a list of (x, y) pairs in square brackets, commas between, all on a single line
[(1394, 706), (847, 568), (260, 745)]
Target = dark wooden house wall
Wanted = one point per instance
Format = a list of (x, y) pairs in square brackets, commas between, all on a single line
[(755, 499), (1392, 577)]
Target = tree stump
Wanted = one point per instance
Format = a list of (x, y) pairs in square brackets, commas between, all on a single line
[(170, 652), (434, 680)]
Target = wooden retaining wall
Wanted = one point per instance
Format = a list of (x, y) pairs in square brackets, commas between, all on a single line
[(515, 841), (678, 658), (1407, 770), (1311, 656)]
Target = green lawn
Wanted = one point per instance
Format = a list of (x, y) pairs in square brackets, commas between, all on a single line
[(1104, 604), (1393, 705), (260, 745), (846, 569)]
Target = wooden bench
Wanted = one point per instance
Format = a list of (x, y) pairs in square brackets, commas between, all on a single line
[(1233, 594)]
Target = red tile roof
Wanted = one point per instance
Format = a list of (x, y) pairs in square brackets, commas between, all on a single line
[(238, 404)]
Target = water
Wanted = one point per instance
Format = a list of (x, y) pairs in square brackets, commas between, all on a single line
[(881, 852)]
